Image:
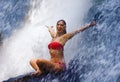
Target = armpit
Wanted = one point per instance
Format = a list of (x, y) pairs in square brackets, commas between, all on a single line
[(68, 36)]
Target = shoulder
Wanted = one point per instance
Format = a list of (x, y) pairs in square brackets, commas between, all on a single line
[(68, 35)]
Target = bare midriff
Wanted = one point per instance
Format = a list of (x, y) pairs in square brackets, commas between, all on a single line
[(56, 55)]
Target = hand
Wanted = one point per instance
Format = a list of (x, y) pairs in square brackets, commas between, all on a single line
[(92, 23)]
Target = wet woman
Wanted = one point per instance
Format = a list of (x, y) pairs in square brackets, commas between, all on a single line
[(56, 49)]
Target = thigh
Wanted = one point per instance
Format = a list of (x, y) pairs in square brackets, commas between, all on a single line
[(45, 65)]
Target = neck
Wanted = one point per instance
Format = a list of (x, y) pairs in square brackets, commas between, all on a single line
[(59, 34)]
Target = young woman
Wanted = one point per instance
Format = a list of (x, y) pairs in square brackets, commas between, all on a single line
[(56, 49)]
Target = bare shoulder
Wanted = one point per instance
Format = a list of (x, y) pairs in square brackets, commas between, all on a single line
[(64, 38), (67, 36)]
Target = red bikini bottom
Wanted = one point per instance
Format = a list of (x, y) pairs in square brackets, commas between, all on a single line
[(61, 65)]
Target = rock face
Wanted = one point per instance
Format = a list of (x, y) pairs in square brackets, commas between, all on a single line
[(69, 75)]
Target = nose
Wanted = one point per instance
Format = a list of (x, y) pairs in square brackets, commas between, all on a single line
[(59, 26)]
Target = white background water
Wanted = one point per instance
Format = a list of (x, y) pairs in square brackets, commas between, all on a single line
[(31, 40)]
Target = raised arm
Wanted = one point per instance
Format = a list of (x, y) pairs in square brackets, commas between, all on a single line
[(51, 31), (83, 28), (70, 35)]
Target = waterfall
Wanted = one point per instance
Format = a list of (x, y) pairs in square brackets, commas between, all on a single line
[(32, 37)]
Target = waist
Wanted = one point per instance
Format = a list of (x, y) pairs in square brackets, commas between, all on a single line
[(56, 52), (55, 60)]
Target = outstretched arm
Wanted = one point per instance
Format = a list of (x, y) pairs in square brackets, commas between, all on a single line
[(70, 35), (51, 31), (84, 27)]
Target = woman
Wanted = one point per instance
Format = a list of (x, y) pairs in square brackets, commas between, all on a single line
[(56, 48)]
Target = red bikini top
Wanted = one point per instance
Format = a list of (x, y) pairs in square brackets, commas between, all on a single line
[(55, 45)]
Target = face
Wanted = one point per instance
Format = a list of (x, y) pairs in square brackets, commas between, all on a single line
[(60, 26)]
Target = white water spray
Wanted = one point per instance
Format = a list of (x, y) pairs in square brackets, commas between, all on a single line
[(31, 40)]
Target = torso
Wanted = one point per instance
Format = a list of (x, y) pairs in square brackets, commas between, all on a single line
[(57, 55)]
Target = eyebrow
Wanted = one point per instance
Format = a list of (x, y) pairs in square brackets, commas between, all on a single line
[(60, 24)]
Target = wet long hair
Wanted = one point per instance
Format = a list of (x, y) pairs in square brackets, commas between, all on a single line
[(64, 24)]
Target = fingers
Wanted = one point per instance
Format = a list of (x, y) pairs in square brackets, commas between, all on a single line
[(93, 23)]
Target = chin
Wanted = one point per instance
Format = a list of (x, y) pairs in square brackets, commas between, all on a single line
[(60, 31)]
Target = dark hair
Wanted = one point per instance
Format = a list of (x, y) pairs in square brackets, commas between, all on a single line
[(62, 21)]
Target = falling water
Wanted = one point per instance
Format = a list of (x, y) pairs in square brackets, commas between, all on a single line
[(32, 37)]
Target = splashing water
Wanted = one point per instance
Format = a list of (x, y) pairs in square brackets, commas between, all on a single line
[(31, 40)]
